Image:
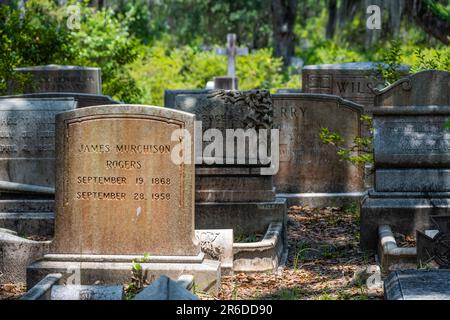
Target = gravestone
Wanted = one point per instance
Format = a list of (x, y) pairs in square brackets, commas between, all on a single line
[(82, 99), (311, 173), (231, 194), (60, 78), (412, 156), (417, 285), (119, 195), (433, 245), (27, 160), (170, 95), (353, 81)]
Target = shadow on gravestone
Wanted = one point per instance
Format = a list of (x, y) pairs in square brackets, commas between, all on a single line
[(165, 289)]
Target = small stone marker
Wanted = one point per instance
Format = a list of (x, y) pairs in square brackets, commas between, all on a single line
[(165, 289), (78, 292), (123, 191), (418, 285), (60, 78)]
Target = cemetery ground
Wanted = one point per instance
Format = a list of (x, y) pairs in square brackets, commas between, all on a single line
[(324, 263)]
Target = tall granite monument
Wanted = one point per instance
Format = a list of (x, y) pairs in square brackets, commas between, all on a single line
[(412, 156)]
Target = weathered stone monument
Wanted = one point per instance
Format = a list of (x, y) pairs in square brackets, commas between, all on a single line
[(60, 78), (27, 179), (84, 84), (311, 173), (119, 195), (412, 156), (231, 194)]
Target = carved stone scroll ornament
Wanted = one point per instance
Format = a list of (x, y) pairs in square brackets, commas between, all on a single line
[(435, 248), (258, 102)]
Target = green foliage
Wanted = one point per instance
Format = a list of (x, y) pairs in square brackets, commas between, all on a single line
[(159, 68), (40, 36), (438, 59), (359, 153), (388, 70)]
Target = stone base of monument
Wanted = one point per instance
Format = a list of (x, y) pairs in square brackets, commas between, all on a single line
[(418, 285), (321, 200), (407, 211), (116, 269), (28, 216), (16, 254)]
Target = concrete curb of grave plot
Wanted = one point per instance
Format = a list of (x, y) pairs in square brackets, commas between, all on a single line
[(262, 256), (16, 254)]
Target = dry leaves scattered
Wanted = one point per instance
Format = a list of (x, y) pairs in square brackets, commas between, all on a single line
[(323, 258), (11, 291)]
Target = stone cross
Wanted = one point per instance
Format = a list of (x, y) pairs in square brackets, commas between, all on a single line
[(232, 51)]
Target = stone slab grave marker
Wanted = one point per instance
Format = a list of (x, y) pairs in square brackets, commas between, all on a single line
[(353, 81), (119, 195), (230, 82), (412, 156), (232, 195), (27, 160), (311, 173), (82, 99), (417, 285), (60, 78)]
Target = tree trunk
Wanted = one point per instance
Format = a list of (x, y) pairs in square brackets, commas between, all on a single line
[(332, 15), (347, 11), (433, 24), (395, 15), (284, 13)]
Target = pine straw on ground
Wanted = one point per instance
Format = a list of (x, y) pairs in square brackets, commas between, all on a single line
[(324, 257)]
